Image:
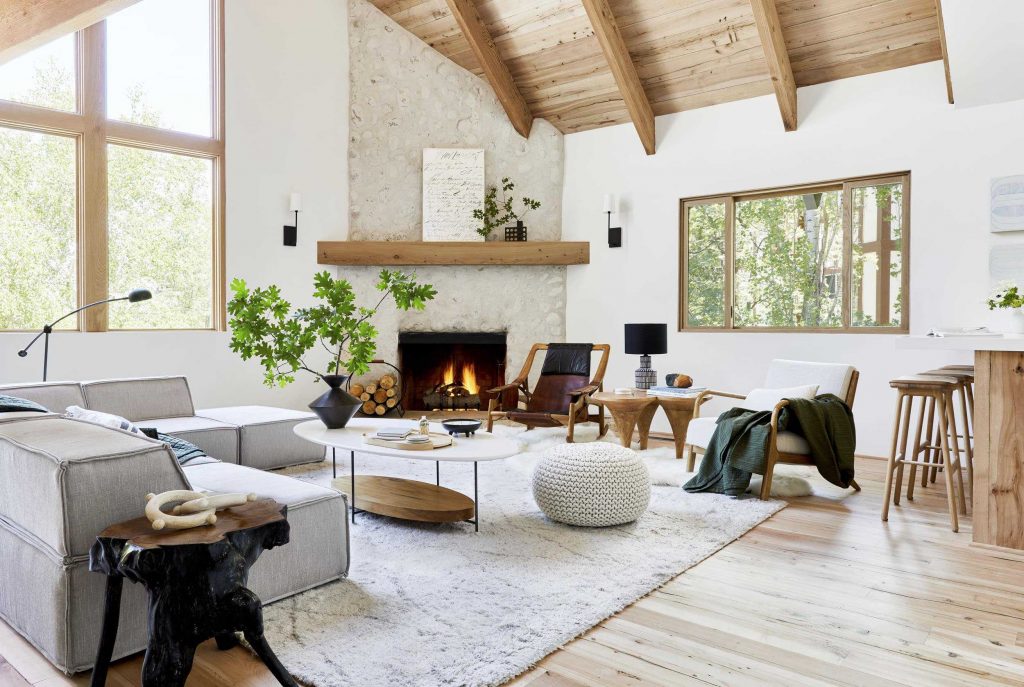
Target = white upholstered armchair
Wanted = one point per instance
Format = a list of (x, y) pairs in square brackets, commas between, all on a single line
[(783, 375)]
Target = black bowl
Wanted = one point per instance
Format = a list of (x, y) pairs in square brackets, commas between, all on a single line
[(463, 427)]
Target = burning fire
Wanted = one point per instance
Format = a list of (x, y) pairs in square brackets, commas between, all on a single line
[(467, 378)]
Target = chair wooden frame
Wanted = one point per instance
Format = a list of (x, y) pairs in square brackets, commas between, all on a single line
[(775, 456), (581, 404)]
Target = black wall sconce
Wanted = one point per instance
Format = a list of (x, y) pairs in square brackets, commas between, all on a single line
[(291, 233), (614, 233)]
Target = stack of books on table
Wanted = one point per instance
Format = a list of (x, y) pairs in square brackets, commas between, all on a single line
[(676, 392)]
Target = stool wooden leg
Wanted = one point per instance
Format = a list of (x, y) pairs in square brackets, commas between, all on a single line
[(930, 453), (891, 466), (955, 451), (916, 452), (944, 450), (968, 448), (904, 436)]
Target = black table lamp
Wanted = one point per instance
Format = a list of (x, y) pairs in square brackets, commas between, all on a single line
[(134, 296), (646, 340)]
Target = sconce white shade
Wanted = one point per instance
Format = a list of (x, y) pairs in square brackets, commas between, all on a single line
[(296, 202), (609, 203)]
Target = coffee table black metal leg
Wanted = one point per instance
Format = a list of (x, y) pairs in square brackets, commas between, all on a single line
[(352, 463), (476, 500), (437, 466), (334, 462), (111, 617)]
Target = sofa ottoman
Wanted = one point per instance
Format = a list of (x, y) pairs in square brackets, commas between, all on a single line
[(265, 437)]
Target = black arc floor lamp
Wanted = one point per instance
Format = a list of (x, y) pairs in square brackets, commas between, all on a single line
[(134, 296)]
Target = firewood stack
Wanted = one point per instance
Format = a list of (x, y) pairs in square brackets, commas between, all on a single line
[(380, 397)]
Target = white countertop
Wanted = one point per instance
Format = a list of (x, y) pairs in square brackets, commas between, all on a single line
[(1006, 342)]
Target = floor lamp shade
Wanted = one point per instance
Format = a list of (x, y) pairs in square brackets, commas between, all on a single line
[(646, 340)]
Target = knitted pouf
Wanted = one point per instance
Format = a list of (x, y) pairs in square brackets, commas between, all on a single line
[(596, 484)]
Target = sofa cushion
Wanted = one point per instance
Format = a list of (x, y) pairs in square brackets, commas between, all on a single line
[(831, 378), (767, 399), (700, 430), (217, 439), (143, 398), (63, 481), (55, 396), (266, 435), (318, 550), (99, 418)]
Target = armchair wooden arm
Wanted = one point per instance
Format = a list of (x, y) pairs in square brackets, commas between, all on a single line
[(705, 396), (515, 384), (585, 391)]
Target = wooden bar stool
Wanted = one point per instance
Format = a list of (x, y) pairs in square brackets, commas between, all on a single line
[(962, 430), (970, 387), (938, 390)]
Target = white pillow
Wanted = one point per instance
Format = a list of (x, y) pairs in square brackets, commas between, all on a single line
[(98, 418), (767, 399)]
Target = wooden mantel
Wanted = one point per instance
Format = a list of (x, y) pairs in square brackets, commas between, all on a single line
[(453, 252)]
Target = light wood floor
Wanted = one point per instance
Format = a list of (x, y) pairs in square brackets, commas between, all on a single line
[(823, 593)]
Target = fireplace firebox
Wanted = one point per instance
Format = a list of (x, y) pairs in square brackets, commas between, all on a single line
[(450, 370)]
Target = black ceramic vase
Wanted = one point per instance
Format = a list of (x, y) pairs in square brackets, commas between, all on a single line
[(336, 407)]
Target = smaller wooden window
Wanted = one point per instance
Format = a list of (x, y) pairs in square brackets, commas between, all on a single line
[(829, 257)]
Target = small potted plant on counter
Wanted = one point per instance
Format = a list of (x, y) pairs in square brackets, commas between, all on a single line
[(1007, 303), (263, 326), (495, 213)]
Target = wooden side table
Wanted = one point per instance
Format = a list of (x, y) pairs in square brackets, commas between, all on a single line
[(636, 410), (196, 581)]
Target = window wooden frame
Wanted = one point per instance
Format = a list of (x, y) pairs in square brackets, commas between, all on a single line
[(846, 186), (93, 131)]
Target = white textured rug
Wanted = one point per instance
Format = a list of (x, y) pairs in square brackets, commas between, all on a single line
[(442, 605)]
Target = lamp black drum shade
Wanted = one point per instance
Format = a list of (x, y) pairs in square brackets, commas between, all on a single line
[(646, 339)]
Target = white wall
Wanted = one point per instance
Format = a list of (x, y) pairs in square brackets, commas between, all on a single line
[(893, 121), (287, 129)]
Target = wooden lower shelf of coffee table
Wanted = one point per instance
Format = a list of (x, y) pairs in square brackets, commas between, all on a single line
[(407, 499)]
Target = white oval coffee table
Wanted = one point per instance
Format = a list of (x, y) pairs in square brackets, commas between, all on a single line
[(405, 498)]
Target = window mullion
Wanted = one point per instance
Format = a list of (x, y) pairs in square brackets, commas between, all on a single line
[(92, 181), (730, 261), (847, 319)]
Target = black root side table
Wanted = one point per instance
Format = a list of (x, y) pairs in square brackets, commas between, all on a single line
[(196, 581)]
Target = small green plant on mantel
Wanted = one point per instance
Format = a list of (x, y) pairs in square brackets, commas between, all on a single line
[(264, 327), (495, 214), (1007, 296)]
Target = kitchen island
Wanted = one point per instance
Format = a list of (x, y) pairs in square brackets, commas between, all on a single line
[(998, 498)]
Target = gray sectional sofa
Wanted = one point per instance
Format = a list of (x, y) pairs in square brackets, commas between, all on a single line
[(62, 481)]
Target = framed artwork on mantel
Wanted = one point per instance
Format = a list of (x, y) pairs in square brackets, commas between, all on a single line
[(1007, 204), (453, 187)]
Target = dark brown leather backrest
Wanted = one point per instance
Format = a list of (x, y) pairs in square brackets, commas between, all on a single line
[(551, 395)]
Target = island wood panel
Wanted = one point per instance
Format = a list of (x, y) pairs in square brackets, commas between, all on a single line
[(999, 449), (686, 51), (453, 253)]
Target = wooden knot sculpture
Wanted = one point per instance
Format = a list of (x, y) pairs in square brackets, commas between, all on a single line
[(195, 508)]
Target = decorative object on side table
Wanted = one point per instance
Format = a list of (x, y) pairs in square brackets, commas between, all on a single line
[(196, 581), (1007, 305), (134, 296), (195, 508), (646, 340), (494, 213), (614, 233), (263, 326)]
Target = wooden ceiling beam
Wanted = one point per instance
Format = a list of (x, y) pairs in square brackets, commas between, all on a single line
[(28, 24), (495, 70), (945, 53), (769, 28), (623, 70)]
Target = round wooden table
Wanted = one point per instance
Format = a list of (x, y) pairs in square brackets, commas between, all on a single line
[(405, 498), (636, 410), (196, 582)]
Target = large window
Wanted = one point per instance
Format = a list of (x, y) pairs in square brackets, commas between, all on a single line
[(111, 160), (825, 258)]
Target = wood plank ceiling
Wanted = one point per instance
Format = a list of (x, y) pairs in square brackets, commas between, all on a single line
[(687, 53)]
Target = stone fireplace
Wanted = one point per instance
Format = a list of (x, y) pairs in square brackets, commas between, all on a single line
[(450, 370)]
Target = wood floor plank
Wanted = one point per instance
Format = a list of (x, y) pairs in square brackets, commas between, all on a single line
[(822, 593)]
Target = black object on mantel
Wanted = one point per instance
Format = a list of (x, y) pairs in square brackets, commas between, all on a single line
[(646, 340), (196, 579), (336, 407)]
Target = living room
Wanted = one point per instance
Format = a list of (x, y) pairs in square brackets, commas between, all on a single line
[(678, 291)]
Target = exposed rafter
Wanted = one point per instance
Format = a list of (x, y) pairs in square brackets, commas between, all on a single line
[(479, 39), (769, 28), (27, 24), (623, 70), (945, 53)]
